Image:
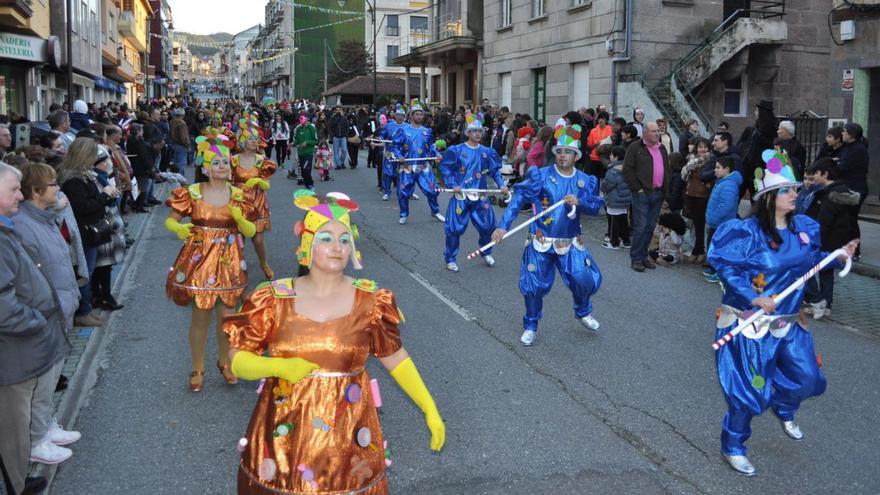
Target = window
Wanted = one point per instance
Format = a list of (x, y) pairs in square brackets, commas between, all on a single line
[(506, 90), (84, 21), (575, 3), (580, 85), (111, 27), (418, 23), (392, 25), (735, 97), (74, 26), (506, 17), (93, 19), (538, 8), (391, 53)]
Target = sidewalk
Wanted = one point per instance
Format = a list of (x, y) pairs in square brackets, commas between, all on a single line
[(869, 262)]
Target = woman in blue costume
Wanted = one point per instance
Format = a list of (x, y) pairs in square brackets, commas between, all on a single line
[(772, 363), (555, 242)]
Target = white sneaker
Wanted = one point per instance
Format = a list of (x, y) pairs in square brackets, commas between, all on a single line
[(490, 261), (818, 309), (590, 322), (439, 217), (402, 221), (528, 337), (416, 197), (608, 245), (60, 436), (452, 266), (384, 197), (49, 453)]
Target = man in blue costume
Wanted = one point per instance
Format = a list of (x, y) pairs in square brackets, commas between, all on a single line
[(555, 239), (419, 147), (772, 363), (468, 166), (393, 132)]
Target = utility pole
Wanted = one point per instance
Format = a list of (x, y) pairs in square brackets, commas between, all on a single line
[(70, 55), (325, 65)]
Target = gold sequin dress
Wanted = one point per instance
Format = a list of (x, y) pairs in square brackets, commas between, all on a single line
[(211, 263), (263, 169), (321, 435)]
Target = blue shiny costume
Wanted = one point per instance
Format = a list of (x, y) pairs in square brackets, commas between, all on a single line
[(777, 350), (469, 168), (419, 143), (392, 132), (555, 240)]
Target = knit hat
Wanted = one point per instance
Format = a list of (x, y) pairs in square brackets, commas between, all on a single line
[(80, 106), (102, 154), (779, 173), (335, 207), (568, 137)]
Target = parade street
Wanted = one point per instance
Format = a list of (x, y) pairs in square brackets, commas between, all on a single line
[(633, 408)]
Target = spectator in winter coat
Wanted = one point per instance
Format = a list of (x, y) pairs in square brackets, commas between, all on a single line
[(338, 132), (79, 118), (830, 207), (721, 147), (536, 154), (724, 200), (665, 137), (618, 199), (795, 150), (599, 133), (691, 132), (852, 168)]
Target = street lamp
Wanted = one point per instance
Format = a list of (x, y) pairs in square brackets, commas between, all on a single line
[(373, 20)]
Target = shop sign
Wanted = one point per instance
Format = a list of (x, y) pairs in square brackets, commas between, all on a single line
[(18, 47), (849, 80)]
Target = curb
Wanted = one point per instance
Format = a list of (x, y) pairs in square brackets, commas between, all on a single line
[(866, 269), (85, 377)]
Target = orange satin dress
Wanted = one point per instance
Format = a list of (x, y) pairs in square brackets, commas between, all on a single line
[(211, 263), (264, 169), (310, 437)]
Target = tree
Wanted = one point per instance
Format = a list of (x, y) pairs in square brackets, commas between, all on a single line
[(351, 59)]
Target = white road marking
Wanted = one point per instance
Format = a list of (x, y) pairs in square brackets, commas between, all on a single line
[(455, 307)]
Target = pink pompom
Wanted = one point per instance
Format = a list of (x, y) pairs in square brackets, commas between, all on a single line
[(377, 397), (774, 165)]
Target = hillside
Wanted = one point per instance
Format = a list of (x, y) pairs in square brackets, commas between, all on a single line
[(195, 40)]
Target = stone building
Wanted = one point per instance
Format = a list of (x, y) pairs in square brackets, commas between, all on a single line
[(854, 80), (683, 59)]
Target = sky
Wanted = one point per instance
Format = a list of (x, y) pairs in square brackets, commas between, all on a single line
[(216, 16)]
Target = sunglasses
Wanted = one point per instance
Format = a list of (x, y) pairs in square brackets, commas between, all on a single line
[(788, 189)]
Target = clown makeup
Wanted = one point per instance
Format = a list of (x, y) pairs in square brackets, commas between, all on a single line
[(251, 142), (219, 168), (786, 199), (332, 248)]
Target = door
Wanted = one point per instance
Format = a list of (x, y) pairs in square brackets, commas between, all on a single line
[(540, 94), (453, 89)]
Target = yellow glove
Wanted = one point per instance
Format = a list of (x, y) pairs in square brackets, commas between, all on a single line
[(249, 366), (181, 229), (256, 181), (247, 228), (407, 376)]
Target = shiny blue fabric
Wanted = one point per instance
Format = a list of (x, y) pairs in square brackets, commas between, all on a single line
[(469, 168), (418, 143), (579, 271), (740, 252), (392, 131)]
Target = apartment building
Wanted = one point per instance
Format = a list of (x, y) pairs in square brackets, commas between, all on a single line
[(28, 55), (86, 47)]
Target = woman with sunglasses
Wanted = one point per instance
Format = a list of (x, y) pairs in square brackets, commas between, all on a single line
[(771, 364)]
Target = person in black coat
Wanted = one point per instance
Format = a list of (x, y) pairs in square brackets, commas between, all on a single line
[(691, 132), (145, 166), (795, 150), (762, 139), (852, 168)]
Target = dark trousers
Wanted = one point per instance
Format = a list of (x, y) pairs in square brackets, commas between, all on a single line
[(645, 211), (353, 154), (618, 229), (280, 151), (855, 232), (101, 283), (144, 188), (305, 169), (696, 209)]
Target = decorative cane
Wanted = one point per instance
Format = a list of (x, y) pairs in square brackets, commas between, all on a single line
[(379, 140), (571, 214), (788, 290), (486, 191), (431, 158)]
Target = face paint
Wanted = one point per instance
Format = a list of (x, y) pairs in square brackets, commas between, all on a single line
[(345, 239), (324, 237)]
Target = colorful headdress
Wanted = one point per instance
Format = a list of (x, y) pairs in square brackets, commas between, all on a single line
[(416, 106), (247, 131), (399, 110), (568, 138), (474, 122), (383, 120), (779, 173), (321, 209), (207, 149)]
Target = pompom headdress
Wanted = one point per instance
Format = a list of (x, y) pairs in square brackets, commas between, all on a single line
[(779, 173), (332, 207), (415, 105), (474, 122), (209, 148), (568, 137)]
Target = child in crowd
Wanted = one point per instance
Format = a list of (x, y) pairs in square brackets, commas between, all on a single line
[(723, 203), (523, 143), (324, 160), (668, 235), (618, 199)]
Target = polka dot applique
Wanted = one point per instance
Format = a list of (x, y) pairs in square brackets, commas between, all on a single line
[(531, 267)]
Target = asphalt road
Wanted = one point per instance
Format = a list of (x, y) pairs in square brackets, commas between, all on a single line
[(633, 409)]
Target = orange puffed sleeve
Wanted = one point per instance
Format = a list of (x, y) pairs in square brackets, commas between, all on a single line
[(250, 328), (180, 202), (384, 323), (268, 168)]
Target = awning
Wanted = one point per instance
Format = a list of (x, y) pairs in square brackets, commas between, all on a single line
[(109, 85)]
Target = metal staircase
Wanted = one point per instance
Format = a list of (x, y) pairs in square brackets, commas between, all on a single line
[(761, 24)]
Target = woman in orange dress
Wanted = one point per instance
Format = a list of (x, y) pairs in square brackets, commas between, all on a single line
[(251, 172), (315, 428), (211, 263)]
